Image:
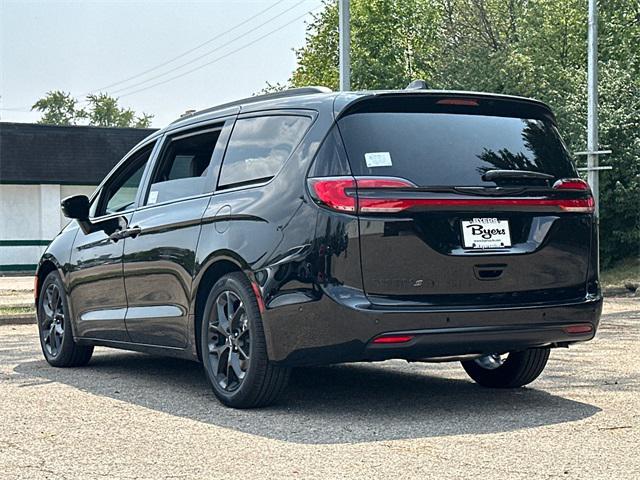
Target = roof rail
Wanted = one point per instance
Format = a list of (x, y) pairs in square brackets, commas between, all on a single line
[(292, 92)]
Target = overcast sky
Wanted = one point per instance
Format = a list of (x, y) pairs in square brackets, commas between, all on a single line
[(85, 45)]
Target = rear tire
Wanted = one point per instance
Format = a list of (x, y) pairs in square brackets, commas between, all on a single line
[(54, 326), (233, 346), (519, 369)]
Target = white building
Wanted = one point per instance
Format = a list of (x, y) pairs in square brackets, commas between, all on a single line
[(39, 166)]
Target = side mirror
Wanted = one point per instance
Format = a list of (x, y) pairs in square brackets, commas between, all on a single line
[(76, 207)]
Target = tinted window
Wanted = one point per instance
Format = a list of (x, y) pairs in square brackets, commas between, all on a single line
[(119, 194), (259, 146), (184, 167), (451, 149)]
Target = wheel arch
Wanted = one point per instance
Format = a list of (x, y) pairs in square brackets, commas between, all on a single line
[(47, 264), (213, 270)]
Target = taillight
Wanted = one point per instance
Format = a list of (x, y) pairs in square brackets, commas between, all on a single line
[(371, 195), (340, 193), (572, 184), (582, 205), (337, 193)]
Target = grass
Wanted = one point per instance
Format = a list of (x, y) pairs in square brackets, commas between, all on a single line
[(11, 310), (626, 272)]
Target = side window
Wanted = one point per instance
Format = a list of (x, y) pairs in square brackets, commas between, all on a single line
[(183, 168), (119, 194), (259, 146)]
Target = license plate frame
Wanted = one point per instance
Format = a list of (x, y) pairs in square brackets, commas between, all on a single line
[(485, 233)]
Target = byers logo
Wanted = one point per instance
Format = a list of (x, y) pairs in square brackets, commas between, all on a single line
[(486, 232)]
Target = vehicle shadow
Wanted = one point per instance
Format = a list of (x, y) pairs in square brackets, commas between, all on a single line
[(337, 404)]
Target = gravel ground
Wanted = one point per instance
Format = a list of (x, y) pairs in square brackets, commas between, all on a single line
[(128, 415)]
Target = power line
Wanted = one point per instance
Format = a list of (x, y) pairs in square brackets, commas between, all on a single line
[(201, 56), (220, 57), (206, 54), (187, 52)]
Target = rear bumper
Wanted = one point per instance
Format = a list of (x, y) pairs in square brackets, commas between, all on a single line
[(339, 325)]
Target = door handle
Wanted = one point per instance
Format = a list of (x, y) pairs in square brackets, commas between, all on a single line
[(133, 232), (126, 233)]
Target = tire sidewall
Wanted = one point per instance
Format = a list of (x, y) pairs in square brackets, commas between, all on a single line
[(255, 330)]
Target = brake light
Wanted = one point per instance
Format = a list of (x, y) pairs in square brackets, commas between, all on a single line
[(582, 205), (363, 195), (467, 102), (386, 339), (572, 184), (334, 192)]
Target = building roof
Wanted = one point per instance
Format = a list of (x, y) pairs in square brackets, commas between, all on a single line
[(75, 155)]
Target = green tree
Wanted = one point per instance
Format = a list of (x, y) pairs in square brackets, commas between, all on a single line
[(521, 47), (393, 43), (104, 111), (60, 108)]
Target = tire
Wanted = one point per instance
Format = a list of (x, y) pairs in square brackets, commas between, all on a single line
[(519, 369), (54, 327), (234, 353)]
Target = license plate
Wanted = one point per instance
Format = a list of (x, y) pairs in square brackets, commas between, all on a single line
[(484, 233)]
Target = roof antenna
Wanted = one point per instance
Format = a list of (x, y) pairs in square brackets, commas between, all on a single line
[(417, 85)]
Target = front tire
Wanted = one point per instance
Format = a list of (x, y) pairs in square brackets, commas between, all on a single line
[(516, 370), (54, 326), (233, 346)]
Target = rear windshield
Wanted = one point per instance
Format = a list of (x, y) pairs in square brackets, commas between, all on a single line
[(447, 149)]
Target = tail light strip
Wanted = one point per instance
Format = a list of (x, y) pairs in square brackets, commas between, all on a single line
[(344, 194)]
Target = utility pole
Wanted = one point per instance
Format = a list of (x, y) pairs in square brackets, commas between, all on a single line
[(593, 151), (345, 44), (592, 104)]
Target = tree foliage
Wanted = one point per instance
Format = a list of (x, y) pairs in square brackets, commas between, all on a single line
[(102, 110), (534, 48), (58, 108)]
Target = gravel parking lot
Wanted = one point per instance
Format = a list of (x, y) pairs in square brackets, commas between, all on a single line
[(128, 415)]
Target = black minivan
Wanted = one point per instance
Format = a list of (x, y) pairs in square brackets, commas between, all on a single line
[(312, 227)]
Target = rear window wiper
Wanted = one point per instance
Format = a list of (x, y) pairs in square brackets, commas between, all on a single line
[(493, 175)]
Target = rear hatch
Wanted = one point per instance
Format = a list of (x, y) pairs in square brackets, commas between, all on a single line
[(466, 200)]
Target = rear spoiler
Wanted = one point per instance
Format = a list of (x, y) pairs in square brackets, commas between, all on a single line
[(441, 101)]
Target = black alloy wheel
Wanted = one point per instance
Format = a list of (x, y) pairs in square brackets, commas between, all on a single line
[(229, 341), (54, 325), (234, 349)]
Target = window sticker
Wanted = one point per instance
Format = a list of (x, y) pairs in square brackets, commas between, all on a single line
[(378, 159), (153, 197)]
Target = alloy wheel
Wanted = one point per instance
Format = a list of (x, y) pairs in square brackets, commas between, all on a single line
[(229, 341), (52, 326)]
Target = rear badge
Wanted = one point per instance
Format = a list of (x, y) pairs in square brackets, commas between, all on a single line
[(483, 233)]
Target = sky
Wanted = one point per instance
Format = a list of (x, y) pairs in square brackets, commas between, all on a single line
[(91, 46)]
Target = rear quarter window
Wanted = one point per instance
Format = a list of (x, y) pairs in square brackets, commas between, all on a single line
[(259, 146)]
